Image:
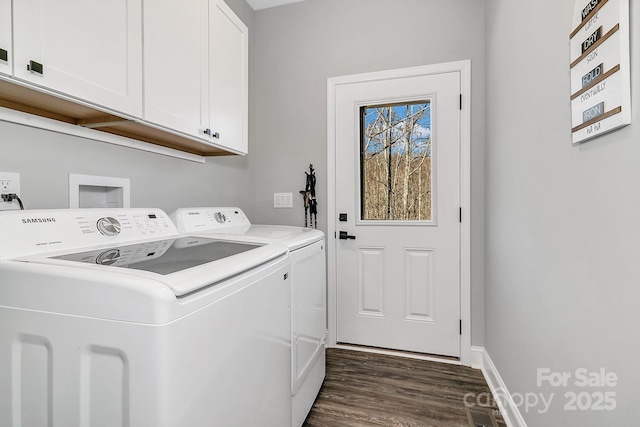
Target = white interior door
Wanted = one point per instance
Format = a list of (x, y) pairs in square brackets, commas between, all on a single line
[(397, 200)]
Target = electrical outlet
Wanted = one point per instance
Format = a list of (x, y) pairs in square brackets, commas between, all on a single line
[(9, 183)]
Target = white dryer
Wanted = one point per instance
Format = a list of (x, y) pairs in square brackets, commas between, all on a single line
[(308, 291), (110, 317)]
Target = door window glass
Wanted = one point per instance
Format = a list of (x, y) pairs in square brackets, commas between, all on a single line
[(395, 161)]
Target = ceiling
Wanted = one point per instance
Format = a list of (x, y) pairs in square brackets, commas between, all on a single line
[(264, 4)]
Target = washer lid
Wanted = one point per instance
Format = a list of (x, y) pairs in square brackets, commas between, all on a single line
[(183, 264), (162, 256), (292, 237)]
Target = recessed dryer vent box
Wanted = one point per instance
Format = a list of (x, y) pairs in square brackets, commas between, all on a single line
[(88, 191)]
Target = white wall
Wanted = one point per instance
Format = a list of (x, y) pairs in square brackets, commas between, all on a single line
[(44, 160), (562, 229), (297, 47)]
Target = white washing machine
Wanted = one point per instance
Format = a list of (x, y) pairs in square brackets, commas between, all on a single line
[(308, 291), (110, 317)]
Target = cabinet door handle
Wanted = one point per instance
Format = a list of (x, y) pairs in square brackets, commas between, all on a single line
[(211, 134), (35, 67), (4, 55)]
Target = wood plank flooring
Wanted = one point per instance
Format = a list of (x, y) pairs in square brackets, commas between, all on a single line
[(366, 389)]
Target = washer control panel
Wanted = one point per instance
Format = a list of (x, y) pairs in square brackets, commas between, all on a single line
[(192, 220), (40, 231)]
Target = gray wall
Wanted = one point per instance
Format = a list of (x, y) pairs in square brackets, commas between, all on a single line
[(297, 47), (562, 227), (44, 160)]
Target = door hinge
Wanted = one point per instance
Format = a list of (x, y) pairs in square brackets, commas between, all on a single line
[(461, 101), (460, 326), (334, 235), (460, 215)]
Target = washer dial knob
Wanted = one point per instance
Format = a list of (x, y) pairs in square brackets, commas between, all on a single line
[(108, 226), (219, 216)]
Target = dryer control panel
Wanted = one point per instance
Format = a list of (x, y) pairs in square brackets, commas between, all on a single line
[(35, 232), (192, 220)]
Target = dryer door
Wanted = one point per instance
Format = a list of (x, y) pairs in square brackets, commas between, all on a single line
[(309, 310)]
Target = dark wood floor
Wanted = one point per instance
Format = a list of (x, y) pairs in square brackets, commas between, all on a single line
[(365, 389)]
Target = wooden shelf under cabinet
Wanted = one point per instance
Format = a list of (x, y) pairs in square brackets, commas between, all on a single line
[(29, 100)]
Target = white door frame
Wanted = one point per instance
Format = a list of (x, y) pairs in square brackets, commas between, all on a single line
[(464, 67)]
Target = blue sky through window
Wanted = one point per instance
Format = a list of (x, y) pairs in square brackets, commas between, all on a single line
[(389, 123)]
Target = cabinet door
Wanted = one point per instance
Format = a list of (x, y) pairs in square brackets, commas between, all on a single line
[(88, 49), (175, 64), (5, 37), (228, 77)]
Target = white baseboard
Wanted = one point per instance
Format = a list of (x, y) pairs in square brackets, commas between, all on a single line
[(508, 408), (477, 355)]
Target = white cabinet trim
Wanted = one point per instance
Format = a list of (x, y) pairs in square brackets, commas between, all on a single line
[(14, 116)]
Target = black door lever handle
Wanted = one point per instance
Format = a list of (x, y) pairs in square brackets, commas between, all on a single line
[(345, 236)]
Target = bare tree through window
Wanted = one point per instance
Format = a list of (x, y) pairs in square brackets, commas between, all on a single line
[(395, 155)]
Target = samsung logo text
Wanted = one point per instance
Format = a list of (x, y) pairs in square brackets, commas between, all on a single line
[(37, 220)]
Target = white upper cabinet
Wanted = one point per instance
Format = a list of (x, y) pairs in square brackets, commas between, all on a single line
[(5, 37), (175, 62), (228, 77), (87, 49), (195, 71)]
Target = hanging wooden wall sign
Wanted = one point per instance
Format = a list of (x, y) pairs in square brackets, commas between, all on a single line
[(600, 70)]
